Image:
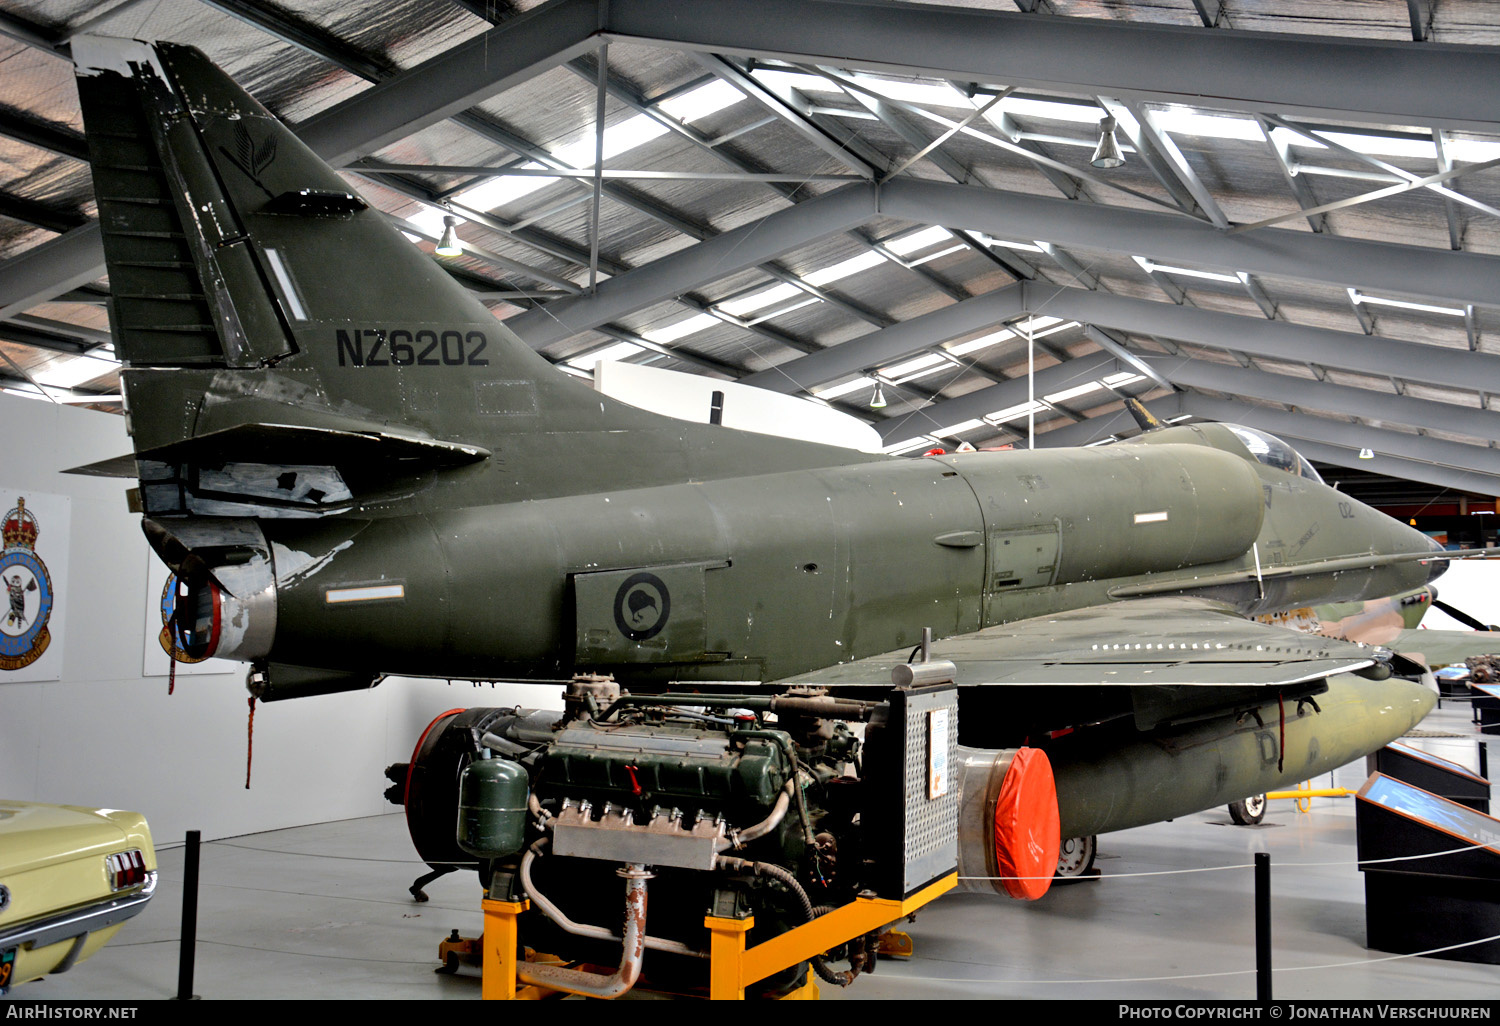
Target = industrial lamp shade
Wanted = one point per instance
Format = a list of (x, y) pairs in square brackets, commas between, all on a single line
[(1107, 153), (448, 245), (877, 401), (1367, 454)]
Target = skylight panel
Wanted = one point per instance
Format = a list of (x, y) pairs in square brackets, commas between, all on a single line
[(1470, 151), (68, 371), (927, 362), (1074, 392), (1184, 121), (1123, 378), (1373, 145), (618, 139), (854, 385), (744, 305), (672, 332), (960, 428), (782, 81), (1355, 296), (990, 240), (918, 240), (618, 351), (1148, 266), (982, 342), (934, 94), (844, 268), (703, 101), (1052, 110), (499, 191), (782, 311), (907, 445), (1019, 410), (429, 220)]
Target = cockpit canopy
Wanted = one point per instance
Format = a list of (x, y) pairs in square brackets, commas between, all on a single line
[(1273, 452)]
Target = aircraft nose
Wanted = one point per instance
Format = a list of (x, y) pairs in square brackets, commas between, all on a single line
[(1438, 567)]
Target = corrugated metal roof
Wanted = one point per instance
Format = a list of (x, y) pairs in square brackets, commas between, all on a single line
[(829, 112)]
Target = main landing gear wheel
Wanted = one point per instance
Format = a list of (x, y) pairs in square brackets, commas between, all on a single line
[(1075, 857), (1250, 811)]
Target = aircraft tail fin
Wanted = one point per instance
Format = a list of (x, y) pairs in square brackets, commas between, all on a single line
[(258, 300)]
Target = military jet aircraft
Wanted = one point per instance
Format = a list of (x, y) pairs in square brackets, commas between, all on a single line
[(355, 470)]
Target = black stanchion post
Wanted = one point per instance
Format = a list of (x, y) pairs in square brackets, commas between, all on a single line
[(1262, 926), (189, 919)]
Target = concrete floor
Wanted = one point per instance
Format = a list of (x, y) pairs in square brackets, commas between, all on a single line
[(322, 912)]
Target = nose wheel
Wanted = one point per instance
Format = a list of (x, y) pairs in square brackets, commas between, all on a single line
[(1250, 811)]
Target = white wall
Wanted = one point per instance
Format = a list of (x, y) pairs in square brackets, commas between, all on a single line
[(106, 736), (1471, 585)]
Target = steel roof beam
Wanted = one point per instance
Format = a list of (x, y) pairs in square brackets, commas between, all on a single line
[(1450, 210), (1281, 150), (1310, 393), (42, 135), (1116, 422), (52, 341), (40, 215), (53, 267), (1266, 339), (1116, 347), (306, 36), (23, 30), (1453, 455), (631, 99), (1152, 146), (1395, 466), (792, 117), (747, 246), (976, 404), (512, 52), (1377, 266), (889, 344), (1379, 81)]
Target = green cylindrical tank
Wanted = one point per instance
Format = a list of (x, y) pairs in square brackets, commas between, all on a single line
[(492, 797)]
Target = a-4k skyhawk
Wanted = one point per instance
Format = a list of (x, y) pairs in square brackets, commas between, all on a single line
[(355, 470)]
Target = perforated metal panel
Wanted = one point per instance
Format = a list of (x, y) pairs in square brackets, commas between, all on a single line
[(931, 833)]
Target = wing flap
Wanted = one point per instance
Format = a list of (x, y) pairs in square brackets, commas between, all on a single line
[(1182, 657)]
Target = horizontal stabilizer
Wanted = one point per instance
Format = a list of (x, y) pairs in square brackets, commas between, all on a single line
[(115, 466), (270, 443)]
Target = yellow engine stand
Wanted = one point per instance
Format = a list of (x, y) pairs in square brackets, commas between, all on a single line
[(501, 941), (732, 967)]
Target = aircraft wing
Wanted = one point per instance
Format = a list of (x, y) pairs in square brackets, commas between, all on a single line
[(1441, 648), (1160, 659)]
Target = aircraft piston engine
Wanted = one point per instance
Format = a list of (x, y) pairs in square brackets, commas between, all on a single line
[(721, 805)]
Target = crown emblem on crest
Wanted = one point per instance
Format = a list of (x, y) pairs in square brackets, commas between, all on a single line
[(20, 527)]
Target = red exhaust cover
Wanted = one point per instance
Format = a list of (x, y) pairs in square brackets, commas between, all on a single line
[(1026, 825)]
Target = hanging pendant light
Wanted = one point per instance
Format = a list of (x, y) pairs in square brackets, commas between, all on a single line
[(448, 245), (877, 401), (1107, 153)]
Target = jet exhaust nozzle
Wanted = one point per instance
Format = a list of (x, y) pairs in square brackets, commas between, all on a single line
[(1008, 828), (224, 595)]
